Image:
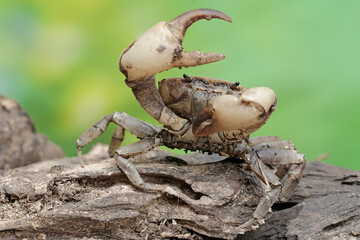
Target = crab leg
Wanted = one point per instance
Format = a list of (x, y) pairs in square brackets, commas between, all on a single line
[(116, 140), (276, 152), (263, 139), (124, 121), (291, 180), (262, 209), (123, 157), (281, 193), (261, 170), (284, 158), (273, 191), (159, 49), (124, 154), (283, 154), (280, 156)]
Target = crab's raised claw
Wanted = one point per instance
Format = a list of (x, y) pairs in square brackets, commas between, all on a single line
[(246, 112), (159, 49)]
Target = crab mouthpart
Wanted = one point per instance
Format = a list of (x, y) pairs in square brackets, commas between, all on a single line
[(160, 47), (247, 112)]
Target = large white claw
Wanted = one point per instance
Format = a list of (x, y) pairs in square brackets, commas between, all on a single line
[(150, 53), (246, 112), (160, 47)]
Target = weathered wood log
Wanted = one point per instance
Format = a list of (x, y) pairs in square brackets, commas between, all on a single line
[(19, 143), (97, 201)]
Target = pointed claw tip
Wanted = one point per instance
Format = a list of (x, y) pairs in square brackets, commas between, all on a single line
[(211, 13), (222, 56), (183, 21)]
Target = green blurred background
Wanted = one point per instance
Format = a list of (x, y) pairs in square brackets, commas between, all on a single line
[(59, 59)]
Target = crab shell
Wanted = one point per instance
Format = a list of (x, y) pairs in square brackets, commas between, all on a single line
[(213, 105)]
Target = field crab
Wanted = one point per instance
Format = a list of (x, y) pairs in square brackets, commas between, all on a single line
[(197, 113)]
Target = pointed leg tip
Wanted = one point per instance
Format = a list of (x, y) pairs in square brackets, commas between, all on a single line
[(80, 155), (246, 226)]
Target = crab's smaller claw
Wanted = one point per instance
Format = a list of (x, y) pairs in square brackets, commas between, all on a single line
[(246, 112), (160, 47)]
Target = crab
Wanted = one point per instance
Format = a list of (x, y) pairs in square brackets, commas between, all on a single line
[(197, 113)]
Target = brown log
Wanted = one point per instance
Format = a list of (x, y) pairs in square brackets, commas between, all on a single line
[(97, 200), (19, 143)]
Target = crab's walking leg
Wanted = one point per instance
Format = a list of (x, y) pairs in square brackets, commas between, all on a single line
[(279, 153), (262, 209), (291, 180), (283, 154), (147, 132), (124, 154), (263, 139), (116, 140), (261, 170), (124, 121)]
